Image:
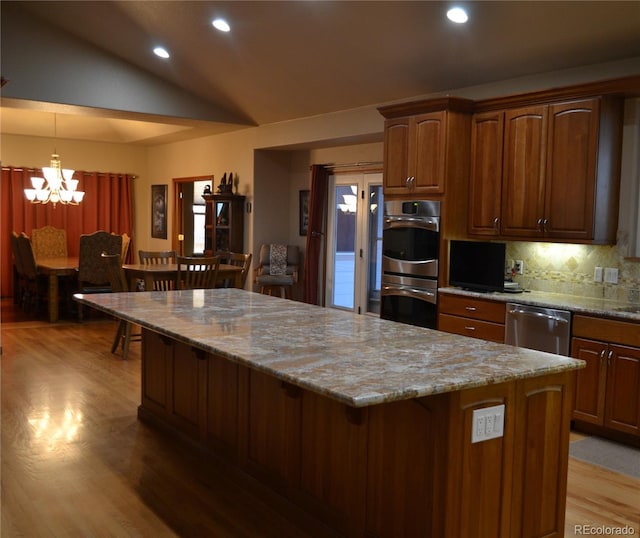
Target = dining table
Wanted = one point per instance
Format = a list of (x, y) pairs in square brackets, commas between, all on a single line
[(149, 273), (53, 269)]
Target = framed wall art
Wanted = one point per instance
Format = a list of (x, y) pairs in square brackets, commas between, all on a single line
[(159, 211), (304, 212)]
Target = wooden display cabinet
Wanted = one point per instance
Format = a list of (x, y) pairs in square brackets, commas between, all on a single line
[(224, 223)]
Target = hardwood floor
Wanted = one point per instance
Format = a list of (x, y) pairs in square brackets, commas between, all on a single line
[(76, 461)]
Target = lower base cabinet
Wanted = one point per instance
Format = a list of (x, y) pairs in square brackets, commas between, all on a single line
[(469, 316), (608, 389), (405, 468)]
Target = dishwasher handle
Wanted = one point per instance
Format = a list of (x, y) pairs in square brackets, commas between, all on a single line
[(520, 312)]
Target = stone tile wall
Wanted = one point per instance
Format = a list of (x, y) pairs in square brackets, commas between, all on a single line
[(569, 268)]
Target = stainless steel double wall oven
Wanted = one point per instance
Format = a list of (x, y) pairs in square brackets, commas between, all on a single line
[(410, 255)]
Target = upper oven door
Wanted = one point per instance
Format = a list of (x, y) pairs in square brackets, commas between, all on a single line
[(410, 245)]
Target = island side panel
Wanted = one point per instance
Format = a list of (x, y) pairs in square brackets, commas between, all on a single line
[(479, 474), (541, 455)]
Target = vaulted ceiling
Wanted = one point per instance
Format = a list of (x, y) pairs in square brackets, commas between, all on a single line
[(92, 62)]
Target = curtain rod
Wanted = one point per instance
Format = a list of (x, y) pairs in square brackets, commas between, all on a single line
[(29, 169), (354, 165)]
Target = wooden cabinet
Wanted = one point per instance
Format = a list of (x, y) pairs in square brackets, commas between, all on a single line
[(469, 316), (547, 171), (414, 154), (485, 187), (224, 223), (193, 391), (608, 389), (422, 142)]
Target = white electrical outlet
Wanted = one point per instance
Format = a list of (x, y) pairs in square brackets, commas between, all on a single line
[(597, 274), (611, 275), (518, 266), (487, 423)]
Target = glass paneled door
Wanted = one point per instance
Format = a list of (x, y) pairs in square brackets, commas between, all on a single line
[(354, 256)]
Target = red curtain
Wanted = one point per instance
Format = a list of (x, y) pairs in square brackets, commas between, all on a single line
[(107, 205), (315, 233)]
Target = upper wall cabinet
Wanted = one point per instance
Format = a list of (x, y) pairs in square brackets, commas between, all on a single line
[(419, 139), (547, 172)]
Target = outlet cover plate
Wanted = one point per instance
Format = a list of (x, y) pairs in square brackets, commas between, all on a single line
[(487, 423)]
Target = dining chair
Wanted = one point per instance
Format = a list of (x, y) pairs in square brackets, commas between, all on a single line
[(277, 269), (118, 280), (166, 257), (92, 271), (238, 259), (49, 242), (33, 285), (197, 272), (18, 270), (126, 242)]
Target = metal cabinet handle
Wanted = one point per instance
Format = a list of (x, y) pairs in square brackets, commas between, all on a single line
[(409, 182), (540, 225), (609, 356), (468, 328), (470, 308), (496, 223)]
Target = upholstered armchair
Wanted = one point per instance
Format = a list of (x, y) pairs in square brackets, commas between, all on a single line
[(277, 269)]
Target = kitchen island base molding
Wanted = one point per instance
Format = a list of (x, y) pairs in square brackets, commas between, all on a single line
[(404, 468)]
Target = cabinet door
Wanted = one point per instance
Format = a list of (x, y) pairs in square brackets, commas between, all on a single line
[(396, 155), (622, 411), (523, 172), (156, 361), (427, 148), (571, 169), (591, 381), (187, 389), (486, 174)]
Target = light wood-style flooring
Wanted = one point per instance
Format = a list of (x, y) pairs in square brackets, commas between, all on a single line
[(76, 461)]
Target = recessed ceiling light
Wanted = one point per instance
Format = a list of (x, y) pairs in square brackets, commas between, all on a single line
[(457, 14), (161, 51), (221, 25)]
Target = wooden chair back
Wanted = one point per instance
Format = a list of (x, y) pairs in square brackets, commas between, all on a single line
[(161, 257), (17, 258), (27, 258), (196, 272), (49, 242), (126, 241), (241, 260), (117, 277), (148, 257)]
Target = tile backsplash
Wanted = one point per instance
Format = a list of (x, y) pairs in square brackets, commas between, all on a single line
[(569, 268)]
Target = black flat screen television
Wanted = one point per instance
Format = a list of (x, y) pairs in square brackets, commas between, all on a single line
[(477, 265)]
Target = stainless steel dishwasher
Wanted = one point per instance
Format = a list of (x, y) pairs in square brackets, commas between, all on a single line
[(544, 329)]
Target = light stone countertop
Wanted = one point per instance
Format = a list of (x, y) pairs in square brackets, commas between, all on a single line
[(355, 359), (575, 303)]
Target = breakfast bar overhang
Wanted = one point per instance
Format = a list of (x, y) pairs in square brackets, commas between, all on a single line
[(365, 423)]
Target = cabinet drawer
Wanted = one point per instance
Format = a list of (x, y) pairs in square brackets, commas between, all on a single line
[(607, 330), (471, 327), (470, 307)]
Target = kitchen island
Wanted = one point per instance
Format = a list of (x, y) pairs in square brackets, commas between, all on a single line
[(366, 423)]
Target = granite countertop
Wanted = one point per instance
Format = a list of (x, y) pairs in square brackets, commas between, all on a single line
[(355, 359), (575, 303)]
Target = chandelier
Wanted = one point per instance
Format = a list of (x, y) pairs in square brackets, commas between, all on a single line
[(60, 187)]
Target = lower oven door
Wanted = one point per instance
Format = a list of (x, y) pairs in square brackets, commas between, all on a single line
[(409, 300)]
